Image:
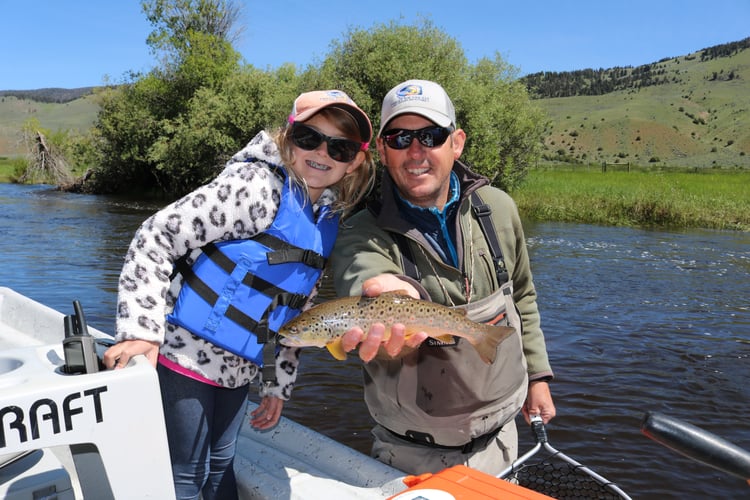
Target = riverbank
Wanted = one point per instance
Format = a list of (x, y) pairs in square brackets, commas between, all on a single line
[(708, 199)]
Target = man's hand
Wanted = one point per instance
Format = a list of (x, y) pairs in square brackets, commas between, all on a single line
[(539, 402)]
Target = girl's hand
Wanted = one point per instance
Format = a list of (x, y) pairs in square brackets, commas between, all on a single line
[(267, 414), (119, 355)]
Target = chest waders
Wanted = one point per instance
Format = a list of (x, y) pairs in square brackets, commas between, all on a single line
[(444, 396), (238, 293)]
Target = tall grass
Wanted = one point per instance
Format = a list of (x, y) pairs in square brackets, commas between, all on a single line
[(705, 199), (11, 168)]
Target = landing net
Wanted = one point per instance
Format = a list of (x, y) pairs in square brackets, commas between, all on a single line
[(556, 475)]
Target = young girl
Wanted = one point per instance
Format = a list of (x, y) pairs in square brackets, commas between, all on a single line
[(209, 279)]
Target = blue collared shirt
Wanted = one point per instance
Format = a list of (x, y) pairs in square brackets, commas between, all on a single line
[(437, 225)]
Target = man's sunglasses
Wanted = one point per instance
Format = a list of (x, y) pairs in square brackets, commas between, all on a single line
[(339, 149), (429, 137)]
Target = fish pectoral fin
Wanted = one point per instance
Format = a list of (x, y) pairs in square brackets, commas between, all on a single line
[(336, 350)]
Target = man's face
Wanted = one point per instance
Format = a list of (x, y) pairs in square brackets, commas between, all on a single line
[(421, 173)]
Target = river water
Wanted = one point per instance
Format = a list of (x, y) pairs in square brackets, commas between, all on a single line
[(635, 320)]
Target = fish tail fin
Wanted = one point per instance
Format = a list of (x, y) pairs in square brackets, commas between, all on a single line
[(492, 337)]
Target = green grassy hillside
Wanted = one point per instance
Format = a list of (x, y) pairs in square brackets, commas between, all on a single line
[(78, 114), (701, 118)]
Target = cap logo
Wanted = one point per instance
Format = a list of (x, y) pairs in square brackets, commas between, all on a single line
[(409, 90), (336, 95)]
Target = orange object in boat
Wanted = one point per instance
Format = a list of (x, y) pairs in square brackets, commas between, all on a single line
[(463, 483)]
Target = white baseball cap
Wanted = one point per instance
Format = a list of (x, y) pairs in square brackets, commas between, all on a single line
[(418, 97)]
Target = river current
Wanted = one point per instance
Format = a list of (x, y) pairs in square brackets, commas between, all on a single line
[(635, 320)]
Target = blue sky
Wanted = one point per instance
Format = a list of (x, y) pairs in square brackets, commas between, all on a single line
[(79, 43)]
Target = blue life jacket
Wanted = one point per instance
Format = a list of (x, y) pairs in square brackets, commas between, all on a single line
[(238, 293)]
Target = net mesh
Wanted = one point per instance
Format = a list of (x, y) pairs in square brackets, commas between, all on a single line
[(561, 480)]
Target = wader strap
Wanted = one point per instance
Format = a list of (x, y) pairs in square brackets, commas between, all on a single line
[(425, 439), (407, 258), (284, 252), (483, 213)]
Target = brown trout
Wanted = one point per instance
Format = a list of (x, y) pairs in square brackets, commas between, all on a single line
[(324, 324)]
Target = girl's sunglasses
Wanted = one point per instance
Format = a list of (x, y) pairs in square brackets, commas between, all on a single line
[(339, 149), (429, 137)]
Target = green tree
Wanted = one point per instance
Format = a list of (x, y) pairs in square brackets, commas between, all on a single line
[(124, 132), (137, 119), (193, 41), (220, 121), (172, 129), (504, 127)]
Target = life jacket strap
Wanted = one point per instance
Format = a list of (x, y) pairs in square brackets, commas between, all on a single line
[(280, 298), (283, 252)]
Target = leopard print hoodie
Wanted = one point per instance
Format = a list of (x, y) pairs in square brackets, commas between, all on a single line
[(239, 203)]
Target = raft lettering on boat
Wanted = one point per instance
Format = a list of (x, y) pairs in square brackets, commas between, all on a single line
[(47, 415)]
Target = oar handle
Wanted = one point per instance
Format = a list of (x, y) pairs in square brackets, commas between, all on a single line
[(698, 444)]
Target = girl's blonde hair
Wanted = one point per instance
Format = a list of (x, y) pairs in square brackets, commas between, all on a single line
[(354, 186)]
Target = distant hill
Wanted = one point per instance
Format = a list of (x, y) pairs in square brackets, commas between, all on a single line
[(545, 85), (689, 111), (77, 114), (57, 95)]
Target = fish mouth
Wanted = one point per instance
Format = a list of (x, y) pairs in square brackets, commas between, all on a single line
[(289, 341)]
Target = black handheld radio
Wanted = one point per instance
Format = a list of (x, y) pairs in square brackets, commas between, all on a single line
[(79, 346)]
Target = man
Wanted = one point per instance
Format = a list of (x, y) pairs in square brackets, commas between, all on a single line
[(436, 404)]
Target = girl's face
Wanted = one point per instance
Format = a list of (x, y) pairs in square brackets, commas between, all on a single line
[(316, 166)]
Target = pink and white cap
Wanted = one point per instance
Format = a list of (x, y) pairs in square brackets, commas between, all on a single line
[(309, 103)]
